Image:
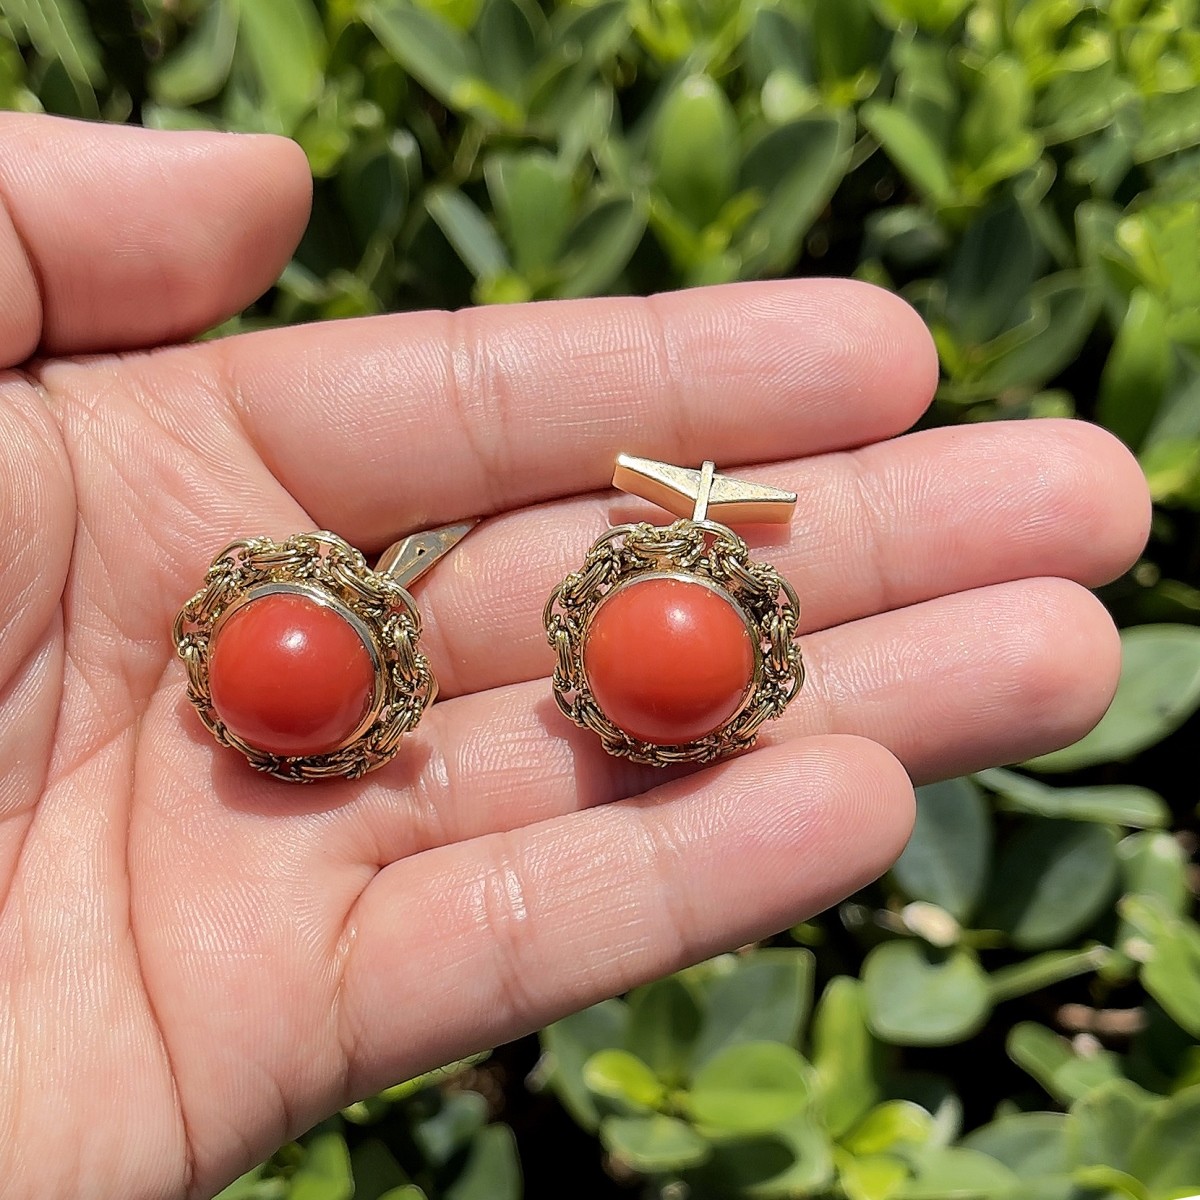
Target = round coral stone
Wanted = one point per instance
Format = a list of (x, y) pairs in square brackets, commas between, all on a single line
[(668, 660), (290, 676)]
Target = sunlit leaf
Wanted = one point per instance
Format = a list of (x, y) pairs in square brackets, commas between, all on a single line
[(918, 996), (946, 861), (749, 1087)]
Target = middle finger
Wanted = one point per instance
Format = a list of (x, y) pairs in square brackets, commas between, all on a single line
[(876, 529)]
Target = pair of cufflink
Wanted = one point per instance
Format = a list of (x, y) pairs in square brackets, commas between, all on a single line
[(670, 642)]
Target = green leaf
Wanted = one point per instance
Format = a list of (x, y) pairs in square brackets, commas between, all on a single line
[(59, 29), (889, 1127), (591, 33), (621, 1076), (1052, 880), (1158, 691), (875, 1177), (433, 51), (1170, 957), (284, 41), (1179, 417), (1105, 1122), (918, 996), (933, 15), (911, 147), (567, 1046), (161, 116), (375, 183), (764, 998), (197, 69), (1063, 310), (908, 236), (1166, 1152), (654, 1143), (458, 1117), (1051, 1060), (1138, 371), (795, 169), (845, 1057), (441, 59), (599, 246), (325, 1173), (664, 1023), (1030, 1144), (1154, 866), (375, 1169), (794, 1159), (459, 14), (946, 860), (845, 39), (532, 194), (492, 1170), (468, 231), (955, 1173), (749, 1088), (1113, 804), (1170, 123), (508, 30), (694, 149), (991, 273), (994, 135)]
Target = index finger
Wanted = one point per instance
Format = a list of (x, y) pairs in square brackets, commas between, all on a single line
[(386, 424)]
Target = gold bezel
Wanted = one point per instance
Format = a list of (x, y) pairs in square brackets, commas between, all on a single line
[(700, 551), (332, 572)]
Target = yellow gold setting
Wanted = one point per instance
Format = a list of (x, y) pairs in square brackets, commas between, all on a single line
[(324, 567), (694, 548)]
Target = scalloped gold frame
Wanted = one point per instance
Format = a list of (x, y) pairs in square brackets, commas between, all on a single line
[(702, 550), (327, 568)]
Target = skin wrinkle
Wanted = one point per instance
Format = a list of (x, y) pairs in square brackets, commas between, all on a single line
[(503, 915), (665, 857), (38, 563), (670, 373), (872, 513), (228, 397), (31, 674), (483, 368), (25, 347)]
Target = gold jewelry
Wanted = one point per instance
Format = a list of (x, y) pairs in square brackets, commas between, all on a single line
[(672, 643), (306, 660)]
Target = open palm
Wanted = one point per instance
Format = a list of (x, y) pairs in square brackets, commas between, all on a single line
[(197, 961)]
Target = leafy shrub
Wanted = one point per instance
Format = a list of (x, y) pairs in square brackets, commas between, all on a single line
[(1027, 173)]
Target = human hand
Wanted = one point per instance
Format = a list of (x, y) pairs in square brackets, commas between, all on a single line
[(199, 961)]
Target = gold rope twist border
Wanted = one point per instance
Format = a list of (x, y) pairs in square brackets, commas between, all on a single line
[(707, 551), (324, 561)]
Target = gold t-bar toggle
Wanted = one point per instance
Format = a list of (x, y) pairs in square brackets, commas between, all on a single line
[(411, 557), (702, 494)]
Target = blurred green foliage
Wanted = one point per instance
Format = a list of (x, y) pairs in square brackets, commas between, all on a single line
[(427, 1139), (1027, 174)]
